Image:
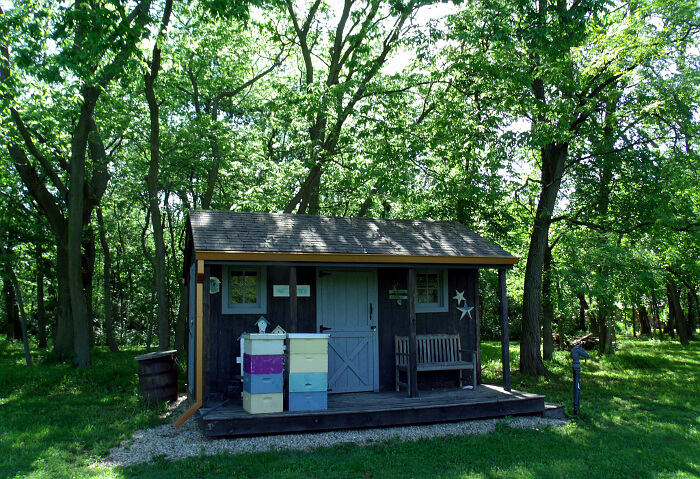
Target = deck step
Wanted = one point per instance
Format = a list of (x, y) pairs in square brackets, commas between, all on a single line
[(554, 411)]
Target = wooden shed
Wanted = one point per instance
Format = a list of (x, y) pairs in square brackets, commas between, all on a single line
[(371, 284)]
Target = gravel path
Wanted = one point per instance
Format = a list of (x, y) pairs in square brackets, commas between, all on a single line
[(188, 441)]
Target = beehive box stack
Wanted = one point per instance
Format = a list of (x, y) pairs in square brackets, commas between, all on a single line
[(307, 372), (263, 378)]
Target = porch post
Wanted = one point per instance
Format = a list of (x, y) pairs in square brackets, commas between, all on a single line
[(199, 344), (477, 328), (293, 314), (412, 341), (505, 342)]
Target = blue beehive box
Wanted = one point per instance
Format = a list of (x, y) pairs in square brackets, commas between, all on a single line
[(307, 382), (308, 401), (307, 372), (263, 383)]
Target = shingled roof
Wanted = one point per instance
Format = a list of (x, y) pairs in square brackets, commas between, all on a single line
[(291, 236)]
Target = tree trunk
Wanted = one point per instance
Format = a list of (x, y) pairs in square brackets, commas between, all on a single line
[(634, 322), (40, 304), (213, 176), (149, 334), (582, 307), (553, 162), (602, 328), (308, 196), (76, 223), (119, 284), (609, 333), (88, 262), (22, 316), (181, 323), (107, 273), (181, 318), (547, 307), (593, 318), (692, 311), (553, 156), (159, 260), (656, 317), (676, 310), (63, 342), (606, 316), (18, 297), (68, 209), (560, 316), (151, 260), (670, 328), (153, 190), (645, 328), (8, 292)]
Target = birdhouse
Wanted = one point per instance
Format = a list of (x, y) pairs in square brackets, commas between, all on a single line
[(262, 324), (279, 330)]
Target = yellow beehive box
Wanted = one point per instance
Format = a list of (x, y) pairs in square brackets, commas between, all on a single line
[(307, 343), (263, 403), (308, 363)]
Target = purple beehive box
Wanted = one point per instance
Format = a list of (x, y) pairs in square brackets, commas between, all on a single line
[(263, 364)]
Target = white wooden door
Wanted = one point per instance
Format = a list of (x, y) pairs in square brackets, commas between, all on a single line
[(347, 310)]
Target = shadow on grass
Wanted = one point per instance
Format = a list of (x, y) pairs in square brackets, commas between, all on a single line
[(639, 422), (639, 419), (572, 452), (53, 418)]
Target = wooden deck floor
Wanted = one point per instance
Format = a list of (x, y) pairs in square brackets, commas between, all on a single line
[(380, 409)]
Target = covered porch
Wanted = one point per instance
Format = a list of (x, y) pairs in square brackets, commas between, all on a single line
[(367, 282), (376, 409)]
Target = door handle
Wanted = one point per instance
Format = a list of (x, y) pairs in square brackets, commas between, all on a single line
[(322, 328), (373, 328)]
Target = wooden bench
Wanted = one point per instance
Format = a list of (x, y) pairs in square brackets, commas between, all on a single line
[(436, 352)]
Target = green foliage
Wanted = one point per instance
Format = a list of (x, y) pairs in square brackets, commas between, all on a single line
[(445, 127), (57, 420), (636, 422)]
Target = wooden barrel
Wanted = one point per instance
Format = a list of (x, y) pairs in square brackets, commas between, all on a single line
[(158, 376)]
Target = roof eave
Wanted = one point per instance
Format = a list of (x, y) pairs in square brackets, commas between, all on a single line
[(263, 256)]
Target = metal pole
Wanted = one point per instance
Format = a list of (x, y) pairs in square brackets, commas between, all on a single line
[(577, 353)]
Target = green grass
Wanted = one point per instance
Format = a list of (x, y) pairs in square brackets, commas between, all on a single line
[(640, 418), (56, 420)]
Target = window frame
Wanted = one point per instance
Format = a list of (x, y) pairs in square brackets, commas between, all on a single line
[(442, 306), (259, 307)]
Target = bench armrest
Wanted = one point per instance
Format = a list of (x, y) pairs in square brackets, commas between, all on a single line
[(471, 352)]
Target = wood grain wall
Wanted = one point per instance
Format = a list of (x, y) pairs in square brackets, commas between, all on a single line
[(223, 330)]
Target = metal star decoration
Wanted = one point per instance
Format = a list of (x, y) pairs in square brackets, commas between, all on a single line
[(466, 310), (459, 297)]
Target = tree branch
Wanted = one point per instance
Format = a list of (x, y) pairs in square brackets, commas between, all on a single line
[(239, 89), (45, 164)]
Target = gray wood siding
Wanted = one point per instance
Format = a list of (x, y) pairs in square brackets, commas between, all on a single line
[(224, 329), (392, 320)]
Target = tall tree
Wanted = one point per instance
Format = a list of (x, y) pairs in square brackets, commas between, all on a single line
[(95, 41), (352, 54), (555, 65), (7, 260), (107, 281), (150, 77)]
